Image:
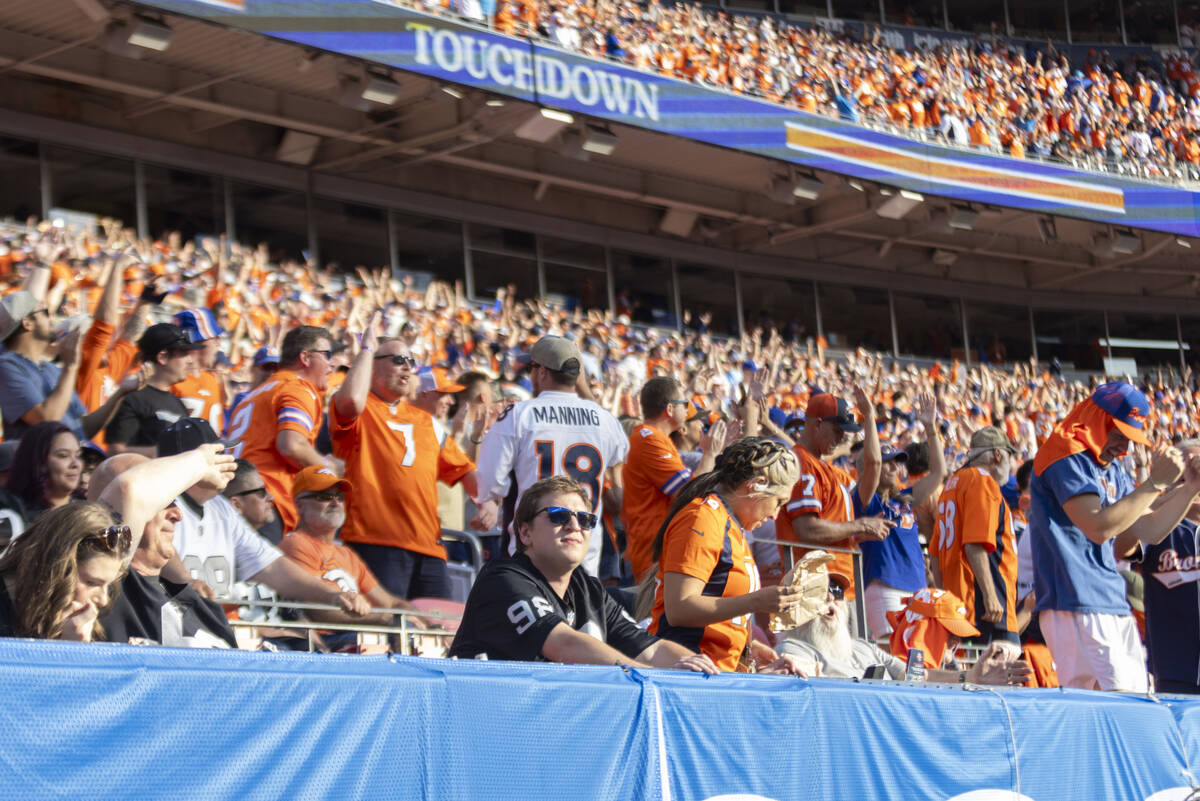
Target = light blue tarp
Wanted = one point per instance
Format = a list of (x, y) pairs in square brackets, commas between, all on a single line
[(117, 722)]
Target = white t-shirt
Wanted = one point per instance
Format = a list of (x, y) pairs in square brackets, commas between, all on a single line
[(554, 434), (220, 548)]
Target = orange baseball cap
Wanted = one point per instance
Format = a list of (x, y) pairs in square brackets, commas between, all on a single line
[(318, 478), (433, 379), (944, 607)]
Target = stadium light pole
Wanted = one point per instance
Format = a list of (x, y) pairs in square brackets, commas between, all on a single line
[(393, 243), (468, 264), (962, 313), (892, 314), (737, 298), (45, 180), (1179, 341), (817, 308), (610, 281), (139, 198), (1032, 335)]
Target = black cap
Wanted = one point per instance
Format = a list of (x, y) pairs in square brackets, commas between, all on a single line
[(186, 434), (164, 336)]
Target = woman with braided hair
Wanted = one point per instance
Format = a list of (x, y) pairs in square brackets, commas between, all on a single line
[(706, 584)]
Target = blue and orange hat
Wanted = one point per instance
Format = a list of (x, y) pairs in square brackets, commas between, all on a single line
[(1127, 406), (199, 324)]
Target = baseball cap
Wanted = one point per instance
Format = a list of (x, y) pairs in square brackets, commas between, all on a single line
[(15, 307), (556, 353), (186, 434), (1127, 406), (199, 324), (318, 478), (990, 437), (266, 355), (944, 607), (433, 379), (890, 453), (833, 410), (794, 421), (164, 336)]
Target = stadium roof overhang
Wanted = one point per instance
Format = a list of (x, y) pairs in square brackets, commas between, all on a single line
[(247, 95)]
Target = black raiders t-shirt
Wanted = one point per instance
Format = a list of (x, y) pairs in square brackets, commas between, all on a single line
[(143, 415), (153, 609), (512, 609)]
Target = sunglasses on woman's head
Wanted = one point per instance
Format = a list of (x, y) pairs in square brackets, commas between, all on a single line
[(115, 538), (560, 516)]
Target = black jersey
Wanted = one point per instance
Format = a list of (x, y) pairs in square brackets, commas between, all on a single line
[(143, 415), (512, 609), (157, 611)]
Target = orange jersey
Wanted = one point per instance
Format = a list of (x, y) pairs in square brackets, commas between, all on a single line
[(284, 402), (333, 563), (823, 490), (971, 510), (395, 455), (653, 473), (704, 541), (201, 394)]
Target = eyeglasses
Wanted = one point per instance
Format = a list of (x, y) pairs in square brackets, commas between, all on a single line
[(327, 353), (115, 538), (399, 359), (325, 497), (260, 491), (836, 591), (560, 516)]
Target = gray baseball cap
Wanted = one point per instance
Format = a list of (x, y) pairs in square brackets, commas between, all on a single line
[(15, 307), (556, 353)]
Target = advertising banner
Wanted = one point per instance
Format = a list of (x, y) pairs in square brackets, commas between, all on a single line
[(128, 722), (450, 50)]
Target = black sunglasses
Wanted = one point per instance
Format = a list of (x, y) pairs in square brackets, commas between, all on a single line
[(327, 353), (560, 516), (324, 497), (261, 491), (837, 591), (115, 538), (398, 359)]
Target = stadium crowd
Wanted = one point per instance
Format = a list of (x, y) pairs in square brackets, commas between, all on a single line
[(186, 421), (1139, 116)]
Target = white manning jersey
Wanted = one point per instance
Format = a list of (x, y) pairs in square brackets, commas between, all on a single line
[(554, 434)]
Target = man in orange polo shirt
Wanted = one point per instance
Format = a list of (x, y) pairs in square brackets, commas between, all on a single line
[(821, 512), (275, 426), (395, 454)]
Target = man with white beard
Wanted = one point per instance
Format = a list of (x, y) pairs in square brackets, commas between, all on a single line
[(826, 642)]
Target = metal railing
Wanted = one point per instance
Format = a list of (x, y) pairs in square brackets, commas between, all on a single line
[(401, 635), (473, 545)]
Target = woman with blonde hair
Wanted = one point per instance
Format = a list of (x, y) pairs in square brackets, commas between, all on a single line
[(58, 577), (707, 584)]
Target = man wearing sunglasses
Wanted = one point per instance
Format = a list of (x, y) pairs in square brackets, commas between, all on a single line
[(825, 641), (820, 512), (540, 606), (395, 455), (276, 425)]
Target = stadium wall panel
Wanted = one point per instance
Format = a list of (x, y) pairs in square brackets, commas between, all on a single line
[(115, 722), (454, 52)]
